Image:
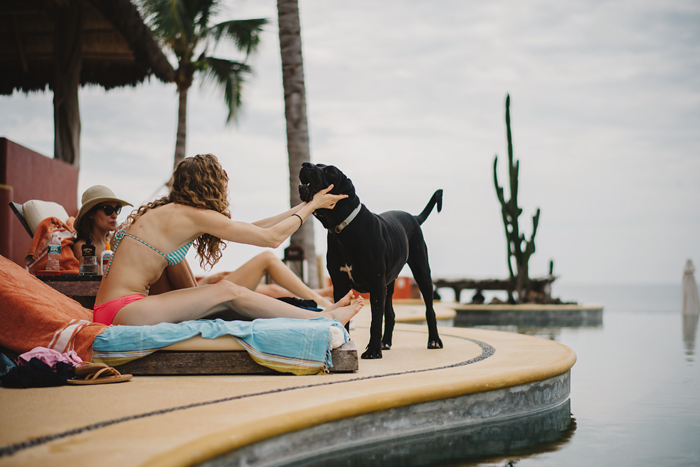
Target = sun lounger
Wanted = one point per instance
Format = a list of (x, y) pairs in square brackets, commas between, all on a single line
[(221, 356), (34, 315)]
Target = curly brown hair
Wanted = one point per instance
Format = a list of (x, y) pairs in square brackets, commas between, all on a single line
[(201, 182)]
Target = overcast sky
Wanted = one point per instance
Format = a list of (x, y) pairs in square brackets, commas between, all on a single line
[(409, 96)]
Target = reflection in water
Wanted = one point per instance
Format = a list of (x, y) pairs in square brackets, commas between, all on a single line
[(690, 327), (690, 308), (522, 437)]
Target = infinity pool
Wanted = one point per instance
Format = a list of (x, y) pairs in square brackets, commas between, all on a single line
[(635, 396), (635, 390)]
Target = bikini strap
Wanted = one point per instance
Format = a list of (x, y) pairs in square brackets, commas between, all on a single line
[(148, 245), (118, 237)]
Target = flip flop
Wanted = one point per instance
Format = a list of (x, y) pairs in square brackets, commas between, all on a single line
[(98, 373), (84, 370)]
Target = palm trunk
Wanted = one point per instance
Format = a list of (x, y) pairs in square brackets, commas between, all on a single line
[(297, 127), (181, 125), (66, 109)]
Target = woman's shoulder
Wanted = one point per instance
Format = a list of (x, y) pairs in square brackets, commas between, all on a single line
[(77, 248), (185, 209)]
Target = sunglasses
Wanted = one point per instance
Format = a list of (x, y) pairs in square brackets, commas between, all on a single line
[(109, 210)]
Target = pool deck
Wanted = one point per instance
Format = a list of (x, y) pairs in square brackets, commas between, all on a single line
[(479, 376)]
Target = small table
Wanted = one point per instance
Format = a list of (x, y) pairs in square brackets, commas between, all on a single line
[(82, 289)]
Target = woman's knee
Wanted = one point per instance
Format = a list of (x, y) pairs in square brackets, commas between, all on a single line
[(268, 258), (229, 290)]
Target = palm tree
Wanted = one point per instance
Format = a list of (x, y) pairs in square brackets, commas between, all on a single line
[(297, 127), (184, 27)]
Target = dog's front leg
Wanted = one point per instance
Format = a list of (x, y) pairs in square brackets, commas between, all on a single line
[(374, 348), (389, 317)]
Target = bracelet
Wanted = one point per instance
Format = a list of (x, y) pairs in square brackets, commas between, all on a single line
[(301, 221)]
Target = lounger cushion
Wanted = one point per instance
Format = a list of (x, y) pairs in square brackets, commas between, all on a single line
[(36, 211)]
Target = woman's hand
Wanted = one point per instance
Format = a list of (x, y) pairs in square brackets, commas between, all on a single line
[(325, 200)]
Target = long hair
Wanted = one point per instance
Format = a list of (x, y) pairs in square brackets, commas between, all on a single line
[(200, 182), (83, 228)]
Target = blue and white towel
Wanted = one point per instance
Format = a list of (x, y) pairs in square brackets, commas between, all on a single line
[(298, 346)]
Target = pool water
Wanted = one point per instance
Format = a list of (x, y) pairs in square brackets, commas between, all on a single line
[(635, 396), (635, 388)]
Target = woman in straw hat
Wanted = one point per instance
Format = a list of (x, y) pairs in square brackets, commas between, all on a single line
[(195, 212), (97, 218)]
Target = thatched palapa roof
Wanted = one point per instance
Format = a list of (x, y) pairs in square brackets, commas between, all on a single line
[(117, 48)]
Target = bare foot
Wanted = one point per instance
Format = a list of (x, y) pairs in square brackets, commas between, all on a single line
[(345, 301), (344, 313)]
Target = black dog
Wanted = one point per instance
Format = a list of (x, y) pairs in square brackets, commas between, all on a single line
[(367, 251)]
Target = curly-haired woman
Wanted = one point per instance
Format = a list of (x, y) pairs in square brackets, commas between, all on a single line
[(196, 212)]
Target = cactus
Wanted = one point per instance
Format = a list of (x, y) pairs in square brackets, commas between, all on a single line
[(519, 249)]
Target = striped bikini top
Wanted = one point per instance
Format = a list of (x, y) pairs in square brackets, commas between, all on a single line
[(173, 258)]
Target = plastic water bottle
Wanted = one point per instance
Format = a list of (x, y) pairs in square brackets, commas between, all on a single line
[(54, 253)]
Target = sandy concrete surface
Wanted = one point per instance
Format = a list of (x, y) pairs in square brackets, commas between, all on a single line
[(183, 420)]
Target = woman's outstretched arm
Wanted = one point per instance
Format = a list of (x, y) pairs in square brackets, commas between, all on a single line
[(274, 220), (220, 226)]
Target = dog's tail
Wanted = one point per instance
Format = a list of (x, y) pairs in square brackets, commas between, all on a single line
[(436, 199)]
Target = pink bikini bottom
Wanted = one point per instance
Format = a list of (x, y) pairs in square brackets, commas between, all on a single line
[(106, 312)]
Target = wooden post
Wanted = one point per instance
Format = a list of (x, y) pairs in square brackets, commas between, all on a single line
[(66, 109)]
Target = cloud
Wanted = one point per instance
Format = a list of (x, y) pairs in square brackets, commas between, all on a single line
[(408, 97)]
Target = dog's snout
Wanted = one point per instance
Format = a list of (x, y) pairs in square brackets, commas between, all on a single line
[(306, 165)]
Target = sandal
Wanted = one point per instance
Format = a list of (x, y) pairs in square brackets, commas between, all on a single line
[(98, 373)]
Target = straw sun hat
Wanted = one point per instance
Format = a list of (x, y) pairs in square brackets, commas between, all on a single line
[(95, 195)]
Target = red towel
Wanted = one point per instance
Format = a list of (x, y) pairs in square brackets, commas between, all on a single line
[(36, 256), (32, 314)]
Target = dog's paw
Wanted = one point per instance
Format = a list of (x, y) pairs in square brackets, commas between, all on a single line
[(372, 354), (386, 346), (435, 343)]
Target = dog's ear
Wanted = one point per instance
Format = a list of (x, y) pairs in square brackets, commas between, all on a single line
[(342, 185), (347, 188)]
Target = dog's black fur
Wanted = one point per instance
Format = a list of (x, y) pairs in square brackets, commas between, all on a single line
[(369, 253)]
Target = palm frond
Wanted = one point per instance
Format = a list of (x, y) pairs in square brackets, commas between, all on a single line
[(166, 18), (228, 77), (244, 34), (205, 9)]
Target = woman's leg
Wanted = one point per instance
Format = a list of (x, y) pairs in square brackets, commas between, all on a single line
[(273, 290), (177, 276), (161, 286), (198, 302), (250, 273)]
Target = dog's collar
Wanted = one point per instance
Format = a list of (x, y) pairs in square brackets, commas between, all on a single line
[(339, 228)]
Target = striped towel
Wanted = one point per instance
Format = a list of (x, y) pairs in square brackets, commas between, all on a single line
[(297, 346)]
